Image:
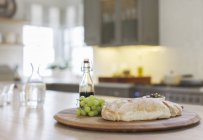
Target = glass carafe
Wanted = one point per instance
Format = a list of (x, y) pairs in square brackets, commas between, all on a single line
[(35, 89)]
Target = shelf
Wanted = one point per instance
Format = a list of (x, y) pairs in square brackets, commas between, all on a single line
[(11, 21), (134, 80), (11, 45)]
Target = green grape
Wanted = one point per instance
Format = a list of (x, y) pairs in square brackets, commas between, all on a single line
[(81, 98), (95, 112), (78, 112), (86, 100), (82, 103), (93, 107), (91, 113), (83, 113), (87, 109), (91, 97), (90, 106), (99, 108), (101, 102), (90, 103), (96, 102)]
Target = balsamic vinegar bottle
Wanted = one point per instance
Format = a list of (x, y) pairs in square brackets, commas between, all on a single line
[(86, 87)]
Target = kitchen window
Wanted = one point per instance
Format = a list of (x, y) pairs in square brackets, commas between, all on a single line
[(38, 48), (75, 48), (55, 37)]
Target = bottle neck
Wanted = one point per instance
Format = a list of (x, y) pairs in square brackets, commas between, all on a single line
[(86, 67), (35, 76), (87, 75), (86, 70)]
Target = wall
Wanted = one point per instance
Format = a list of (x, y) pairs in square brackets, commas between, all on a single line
[(11, 55), (20, 13), (181, 26), (181, 32)]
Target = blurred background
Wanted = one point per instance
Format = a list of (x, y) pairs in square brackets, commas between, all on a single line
[(144, 42)]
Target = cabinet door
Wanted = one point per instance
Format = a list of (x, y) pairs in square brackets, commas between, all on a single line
[(139, 22), (108, 21), (92, 22), (148, 22), (129, 21)]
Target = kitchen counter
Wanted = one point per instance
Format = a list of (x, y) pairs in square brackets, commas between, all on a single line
[(108, 89), (189, 95), (63, 86), (19, 123)]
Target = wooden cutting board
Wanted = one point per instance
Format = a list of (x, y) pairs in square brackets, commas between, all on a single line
[(69, 118)]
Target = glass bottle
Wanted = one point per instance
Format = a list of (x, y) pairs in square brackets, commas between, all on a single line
[(86, 87), (35, 89)]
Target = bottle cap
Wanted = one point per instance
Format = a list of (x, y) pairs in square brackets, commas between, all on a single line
[(86, 60), (86, 64)]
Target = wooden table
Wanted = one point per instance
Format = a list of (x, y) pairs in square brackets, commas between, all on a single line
[(19, 123)]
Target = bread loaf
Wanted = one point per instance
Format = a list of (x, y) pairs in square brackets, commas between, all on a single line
[(140, 109)]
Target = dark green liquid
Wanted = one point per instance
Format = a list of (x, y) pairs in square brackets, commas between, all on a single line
[(86, 94)]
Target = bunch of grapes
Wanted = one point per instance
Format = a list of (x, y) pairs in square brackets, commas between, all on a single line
[(90, 106)]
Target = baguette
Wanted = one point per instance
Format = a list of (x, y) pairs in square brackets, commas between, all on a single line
[(140, 109)]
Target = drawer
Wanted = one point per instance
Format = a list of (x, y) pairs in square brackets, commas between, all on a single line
[(185, 98), (113, 92)]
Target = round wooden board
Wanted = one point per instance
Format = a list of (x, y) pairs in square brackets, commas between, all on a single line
[(69, 118)]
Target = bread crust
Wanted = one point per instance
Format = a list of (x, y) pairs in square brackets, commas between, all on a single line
[(140, 109)]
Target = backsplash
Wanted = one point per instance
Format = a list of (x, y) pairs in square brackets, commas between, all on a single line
[(153, 59), (156, 61)]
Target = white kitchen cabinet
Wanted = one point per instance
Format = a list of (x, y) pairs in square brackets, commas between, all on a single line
[(121, 22)]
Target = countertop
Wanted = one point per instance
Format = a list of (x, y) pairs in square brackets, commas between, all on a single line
[(75, 83), (71, 86), (19, 123)]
